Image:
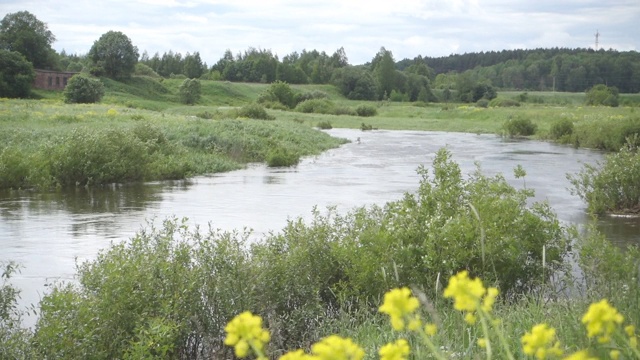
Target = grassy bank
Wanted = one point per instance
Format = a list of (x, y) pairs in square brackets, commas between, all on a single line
[(46, 144)]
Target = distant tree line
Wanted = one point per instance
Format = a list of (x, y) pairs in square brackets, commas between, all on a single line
[(466, 77), (559, 69)]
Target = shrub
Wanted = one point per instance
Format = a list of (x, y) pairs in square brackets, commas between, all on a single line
[(344, 110), (482, 103), (144, 70), (519, 126), (281, 91), (316, 106), (14, 339), (281, 157), (603, 95), (83, 90), (501, 102), (324, 125), (560, 129), (254, 111), (190, 91), (366, 110), (612, 186), (308, 95), (275, 105), (16, 75)]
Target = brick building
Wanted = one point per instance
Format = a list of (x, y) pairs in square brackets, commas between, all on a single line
[(52, 80)]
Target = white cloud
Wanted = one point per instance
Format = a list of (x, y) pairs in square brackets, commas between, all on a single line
[(406, 27)]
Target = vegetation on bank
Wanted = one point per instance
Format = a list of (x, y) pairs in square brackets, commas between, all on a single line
[(170, 291), (47, 145)]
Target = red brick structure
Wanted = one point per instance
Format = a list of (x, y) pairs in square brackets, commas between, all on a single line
[(52, 80)]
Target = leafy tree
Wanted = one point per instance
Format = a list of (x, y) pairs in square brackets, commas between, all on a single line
[(82, 89), (113, 55), (385, 71), (190, 91), (193, 67), (16, 75), (355, 83), (24, 33)]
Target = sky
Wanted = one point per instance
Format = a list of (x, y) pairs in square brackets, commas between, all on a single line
[(407, 28)]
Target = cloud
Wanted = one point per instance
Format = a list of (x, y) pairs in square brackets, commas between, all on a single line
[(406, 27)]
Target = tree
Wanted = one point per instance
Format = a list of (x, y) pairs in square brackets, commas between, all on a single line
[(190, 91), (24, 33), (385, 71), (603, 95), (16, 75), (193, 66), (83, 90), (113, 55)]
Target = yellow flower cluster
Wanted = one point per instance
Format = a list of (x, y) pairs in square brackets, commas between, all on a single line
[(580, 355), (336, 348), (398, 350), (400, 305), (541, 342), (469, 295), (601, 319), (245, 333)]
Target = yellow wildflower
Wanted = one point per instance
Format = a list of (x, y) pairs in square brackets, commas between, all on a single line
[(614, 354), (601, 319), (244, 333), (431, 329), (296, 355), (541, 342), (490, 299), (398, 350), (482, 342), (466, 293), (337, 348), (399, 304), (630, 330), (580, 355)]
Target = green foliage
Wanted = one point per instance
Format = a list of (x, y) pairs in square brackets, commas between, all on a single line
[(113, 55), (144, 70), (281, 92), (355, 83), (190, 91), (16, 75), (603, 95), (366, 110), (519, 126), (15, 340), (254, 111), (561, 130), (612, 187), (609, 134), (483, 103), (82, 89), (324, 125), (24, 33), (501, 102), (317, 106), (281, 157)]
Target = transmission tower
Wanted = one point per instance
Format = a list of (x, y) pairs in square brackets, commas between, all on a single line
[(597, 38)]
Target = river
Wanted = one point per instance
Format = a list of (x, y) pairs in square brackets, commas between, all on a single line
[(46, 233)]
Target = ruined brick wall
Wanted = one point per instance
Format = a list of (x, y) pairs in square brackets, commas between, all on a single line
[(52, 80)]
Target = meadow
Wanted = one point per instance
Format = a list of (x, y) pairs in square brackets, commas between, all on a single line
[(168, 292)]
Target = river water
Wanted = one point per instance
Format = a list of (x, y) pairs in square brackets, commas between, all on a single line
[(47, 233)]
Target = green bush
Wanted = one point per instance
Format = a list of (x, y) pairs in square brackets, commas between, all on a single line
[(316, 106), (144, 70), (603, 95), (190, 91), (482, 103), (519, 126), (82, 89), (15, 340), (607, 134), (308, 95), (500, 102), (612, 187), (344, 110), (281, 92), (254, 111), (366, 110), (324, 125), (561, 129), (281, 157)]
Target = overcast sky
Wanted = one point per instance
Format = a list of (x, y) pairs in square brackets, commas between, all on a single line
[(406, 27)]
